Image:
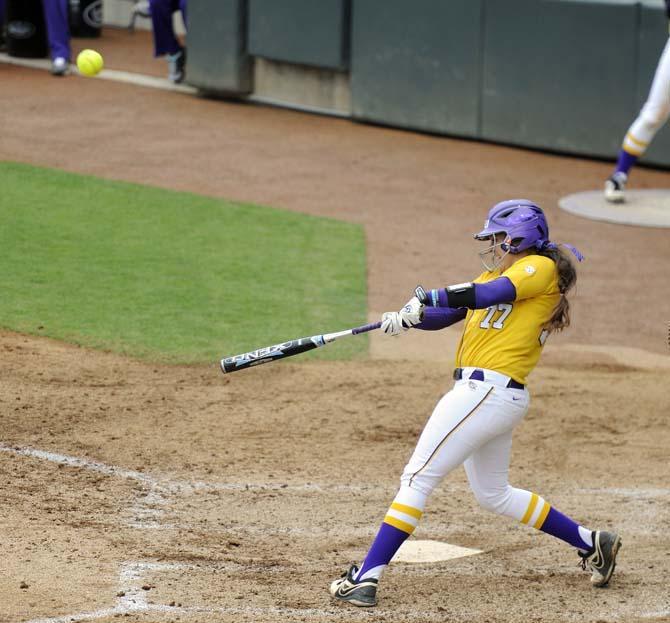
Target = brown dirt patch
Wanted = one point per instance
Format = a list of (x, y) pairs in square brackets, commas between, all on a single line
[(239, 498), (243, 496)]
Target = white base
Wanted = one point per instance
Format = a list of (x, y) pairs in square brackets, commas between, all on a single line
[(645, 208), (431, 551)]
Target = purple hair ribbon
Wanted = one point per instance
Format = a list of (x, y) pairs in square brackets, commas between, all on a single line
[(574, 250), (546, 244)]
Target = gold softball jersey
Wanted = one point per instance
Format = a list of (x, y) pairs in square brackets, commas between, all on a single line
[(508, 337)]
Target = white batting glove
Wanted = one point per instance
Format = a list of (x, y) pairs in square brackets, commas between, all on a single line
[(412, 313), (393, 323)]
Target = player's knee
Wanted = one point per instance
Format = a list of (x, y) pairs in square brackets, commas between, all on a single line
[(418, 483), (654, 117), (494, 500)]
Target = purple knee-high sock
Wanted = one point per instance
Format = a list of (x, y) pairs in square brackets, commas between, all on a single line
[(625, 162), (562, 527), (386, 544), (400, 521)]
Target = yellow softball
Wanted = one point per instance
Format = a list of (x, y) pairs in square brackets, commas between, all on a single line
[(89, 62)]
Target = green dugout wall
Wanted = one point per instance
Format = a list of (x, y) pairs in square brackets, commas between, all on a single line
[(418, 64), (306, 32), (562, 75), (216, 43), (554, 72)]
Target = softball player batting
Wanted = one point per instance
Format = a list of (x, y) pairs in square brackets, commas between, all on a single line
[(509, 311), (652, 117)]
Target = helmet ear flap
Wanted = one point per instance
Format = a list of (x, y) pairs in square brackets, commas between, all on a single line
[(510, 245)]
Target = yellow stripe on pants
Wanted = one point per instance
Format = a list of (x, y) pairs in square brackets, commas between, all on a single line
[(408, 510)]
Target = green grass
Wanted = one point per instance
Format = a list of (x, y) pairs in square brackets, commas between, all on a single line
[(171, 276)]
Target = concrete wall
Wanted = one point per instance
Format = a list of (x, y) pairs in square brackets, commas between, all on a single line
[(302, 32), (418, 64), (555, 73), (563, 75), (303, 87), (217, 58)]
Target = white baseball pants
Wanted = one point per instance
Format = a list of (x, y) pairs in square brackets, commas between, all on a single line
[(472, 425), (655, 111)]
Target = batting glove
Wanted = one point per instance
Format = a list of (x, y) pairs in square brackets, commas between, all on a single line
[(394, 323)]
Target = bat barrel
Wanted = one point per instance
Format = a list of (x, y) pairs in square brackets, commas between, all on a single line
[(287, 349), (270, 353)]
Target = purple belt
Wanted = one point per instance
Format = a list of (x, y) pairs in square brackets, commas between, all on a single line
[(478, 375)]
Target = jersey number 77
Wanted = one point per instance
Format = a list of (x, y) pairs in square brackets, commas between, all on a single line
[(505, 308)]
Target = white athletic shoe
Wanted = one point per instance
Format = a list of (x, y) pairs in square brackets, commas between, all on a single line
[(60, 66), (614, 187), (177, 66)]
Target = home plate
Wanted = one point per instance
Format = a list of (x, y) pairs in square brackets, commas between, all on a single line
[(431, 551)]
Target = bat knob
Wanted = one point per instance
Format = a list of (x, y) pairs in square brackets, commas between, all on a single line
[(420, 293)]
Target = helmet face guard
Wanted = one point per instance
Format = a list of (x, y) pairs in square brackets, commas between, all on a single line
[(523, 225), (488, 256)]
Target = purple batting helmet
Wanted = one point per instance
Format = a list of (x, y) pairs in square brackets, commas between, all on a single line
[(521, 221)]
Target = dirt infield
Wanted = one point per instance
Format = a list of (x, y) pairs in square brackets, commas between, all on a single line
[(163, 494), (239, 498)]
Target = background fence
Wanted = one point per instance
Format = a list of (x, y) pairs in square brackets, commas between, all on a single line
[(561, 75)]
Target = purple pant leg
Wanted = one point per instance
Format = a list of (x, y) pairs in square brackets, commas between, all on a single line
[(58, 28), (165, 41), (2, 12), (182, 8)]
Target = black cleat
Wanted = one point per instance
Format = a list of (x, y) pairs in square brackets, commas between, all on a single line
[(362, 594), (602, 559)]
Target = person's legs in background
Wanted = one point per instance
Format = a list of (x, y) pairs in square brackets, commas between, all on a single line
[(182, 8), (652, 117), (2, 25), (165, 40), (58, 33)]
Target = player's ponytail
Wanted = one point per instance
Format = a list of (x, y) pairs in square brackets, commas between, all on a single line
[(567, 277)]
